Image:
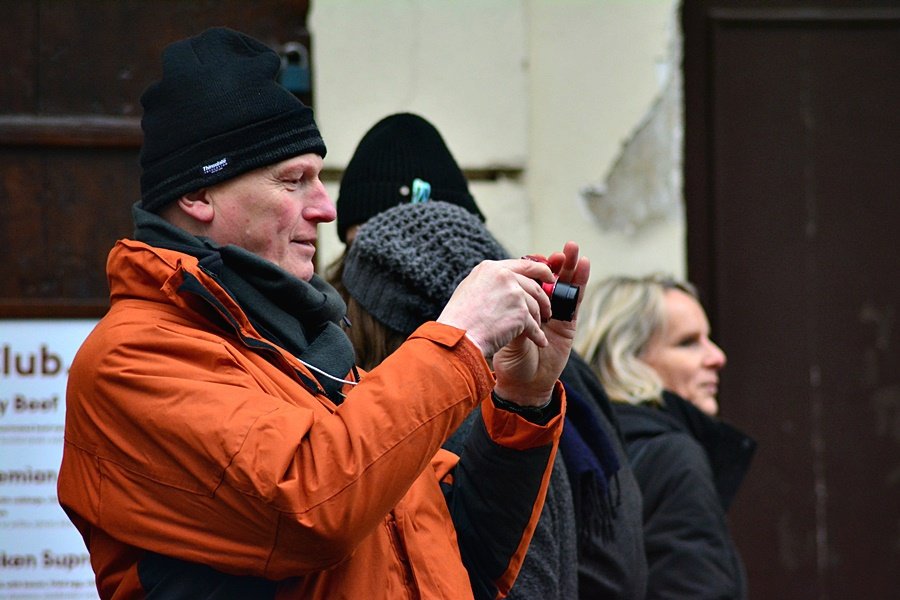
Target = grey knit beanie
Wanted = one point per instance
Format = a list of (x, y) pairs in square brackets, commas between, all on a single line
[(406, 261)]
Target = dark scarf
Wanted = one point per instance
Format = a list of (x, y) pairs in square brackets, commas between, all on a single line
[(299, 316), (590, 451), (592, 466)]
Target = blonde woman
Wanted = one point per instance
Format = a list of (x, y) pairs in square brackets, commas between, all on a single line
[(648, 339)]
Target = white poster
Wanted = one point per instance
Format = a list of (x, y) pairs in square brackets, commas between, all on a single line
[(42, 555)]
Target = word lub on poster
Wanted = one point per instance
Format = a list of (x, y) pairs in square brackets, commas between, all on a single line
[(42, 555)]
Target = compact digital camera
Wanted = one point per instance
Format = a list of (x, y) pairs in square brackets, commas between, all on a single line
[(563, 299), (563, 296)]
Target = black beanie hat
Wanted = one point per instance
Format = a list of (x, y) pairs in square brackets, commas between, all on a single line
[(383, 172), (405, 263), (217, 112)]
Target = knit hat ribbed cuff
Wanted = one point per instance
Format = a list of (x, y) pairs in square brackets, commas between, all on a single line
[(359, 201), (208, 162)]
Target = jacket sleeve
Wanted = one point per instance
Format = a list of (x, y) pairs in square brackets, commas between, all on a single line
[(689, 549), (498, 493), (181, 443), (550, 568)]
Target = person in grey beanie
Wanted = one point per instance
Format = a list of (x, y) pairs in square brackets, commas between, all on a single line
[(403, 161), (399, 272), (220, 441)]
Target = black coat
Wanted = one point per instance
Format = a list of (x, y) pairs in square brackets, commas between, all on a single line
[(612, 565), (688, 466)]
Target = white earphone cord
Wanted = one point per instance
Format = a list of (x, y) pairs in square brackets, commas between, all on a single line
[(321, 372)]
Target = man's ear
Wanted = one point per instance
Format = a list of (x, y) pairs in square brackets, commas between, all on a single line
[(197, 205)]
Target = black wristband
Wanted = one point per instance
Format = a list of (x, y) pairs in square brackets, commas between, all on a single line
[(540, 415)]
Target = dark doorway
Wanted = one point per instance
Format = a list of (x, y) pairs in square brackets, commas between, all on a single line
[(793, 206), (70, 131)]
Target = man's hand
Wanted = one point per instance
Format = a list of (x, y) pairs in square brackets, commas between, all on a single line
[(527, 372), (505, 312), (500, 301)]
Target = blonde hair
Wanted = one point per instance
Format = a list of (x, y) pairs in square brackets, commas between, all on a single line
[(623, 314)]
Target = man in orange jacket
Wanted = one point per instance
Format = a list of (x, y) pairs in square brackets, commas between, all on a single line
[(220, 442)]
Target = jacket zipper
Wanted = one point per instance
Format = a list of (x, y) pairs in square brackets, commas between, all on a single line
[(402, 557)]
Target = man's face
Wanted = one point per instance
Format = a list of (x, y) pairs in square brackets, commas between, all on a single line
[(274, 212)]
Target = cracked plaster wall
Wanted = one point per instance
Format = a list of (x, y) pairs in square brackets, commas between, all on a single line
[(565, 93), (644, 184)]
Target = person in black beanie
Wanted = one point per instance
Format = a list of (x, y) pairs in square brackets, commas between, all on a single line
[(396, 153), (220, 441)]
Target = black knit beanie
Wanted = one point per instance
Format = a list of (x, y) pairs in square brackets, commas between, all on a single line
[(217, 112), (405, 263), (401, 159)]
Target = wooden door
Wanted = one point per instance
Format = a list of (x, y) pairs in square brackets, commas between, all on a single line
[(793, 206), (72, 76)]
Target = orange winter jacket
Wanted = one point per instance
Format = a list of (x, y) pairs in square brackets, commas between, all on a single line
[(191, 438)]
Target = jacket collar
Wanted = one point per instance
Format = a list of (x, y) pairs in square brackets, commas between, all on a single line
[(729, 450), (299, 316)]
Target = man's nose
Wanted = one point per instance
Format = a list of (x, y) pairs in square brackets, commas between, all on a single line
[(321, 209)]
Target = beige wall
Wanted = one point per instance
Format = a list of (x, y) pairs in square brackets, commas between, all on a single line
[(555, 89)]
